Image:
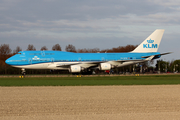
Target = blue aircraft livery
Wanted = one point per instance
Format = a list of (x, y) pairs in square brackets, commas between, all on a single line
[(83, 62)]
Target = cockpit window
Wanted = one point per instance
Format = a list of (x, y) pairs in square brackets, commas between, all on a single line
[(19, 53)]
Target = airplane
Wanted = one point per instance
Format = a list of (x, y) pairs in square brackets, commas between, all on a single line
[(83, 62)]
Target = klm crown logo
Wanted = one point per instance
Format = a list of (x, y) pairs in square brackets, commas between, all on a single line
[(150, 41), (35, 58), (150, 44)]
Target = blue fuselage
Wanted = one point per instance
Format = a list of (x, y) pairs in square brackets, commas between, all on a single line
[(39, 57)]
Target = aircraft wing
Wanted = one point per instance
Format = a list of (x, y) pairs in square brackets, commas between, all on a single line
[(95, 64), (82, 64), (66, 64)]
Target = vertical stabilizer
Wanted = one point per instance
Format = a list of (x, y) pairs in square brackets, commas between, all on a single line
[(151, 43)]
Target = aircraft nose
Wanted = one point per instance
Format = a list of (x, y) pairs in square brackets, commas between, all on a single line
[(7, 61)]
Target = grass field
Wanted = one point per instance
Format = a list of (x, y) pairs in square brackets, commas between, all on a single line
[(91, 81)]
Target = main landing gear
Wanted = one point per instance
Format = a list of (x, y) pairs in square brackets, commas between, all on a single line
[(23, 72)]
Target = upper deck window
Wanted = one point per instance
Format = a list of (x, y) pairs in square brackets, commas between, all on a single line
[(49, 53), (41, 53), (34, 53)]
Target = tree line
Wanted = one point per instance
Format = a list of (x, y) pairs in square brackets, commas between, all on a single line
[(6, 52)]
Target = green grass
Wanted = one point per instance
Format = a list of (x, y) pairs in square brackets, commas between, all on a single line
[(92, 81)]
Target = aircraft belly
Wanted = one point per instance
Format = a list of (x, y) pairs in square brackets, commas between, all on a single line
[(34, 66)]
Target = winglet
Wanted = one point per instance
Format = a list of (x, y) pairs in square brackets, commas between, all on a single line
[(151, 43)]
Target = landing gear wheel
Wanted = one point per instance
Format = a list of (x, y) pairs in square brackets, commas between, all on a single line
[(23, 72)]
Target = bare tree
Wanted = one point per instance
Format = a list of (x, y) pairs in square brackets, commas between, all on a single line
[(82, 50), (44, 48), (56, 47), (5, 50), (95, 50), (31, 48), (17, 50), (70, 48), (126, 48)]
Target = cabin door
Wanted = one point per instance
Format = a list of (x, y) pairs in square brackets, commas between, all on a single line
[(30, 61), (42, 53), (52, 60)]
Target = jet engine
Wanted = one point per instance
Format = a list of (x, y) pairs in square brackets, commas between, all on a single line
[(75, 69), (105, 66)]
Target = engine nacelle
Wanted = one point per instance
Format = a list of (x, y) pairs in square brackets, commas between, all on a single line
[(75, 69), (105, 66)]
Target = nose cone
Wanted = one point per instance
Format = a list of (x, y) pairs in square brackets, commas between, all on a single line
[(8, 61)]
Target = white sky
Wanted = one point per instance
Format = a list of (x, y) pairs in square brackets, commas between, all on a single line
[(100, 24)]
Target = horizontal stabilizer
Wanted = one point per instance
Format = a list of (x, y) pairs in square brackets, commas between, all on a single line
[(156, 55)]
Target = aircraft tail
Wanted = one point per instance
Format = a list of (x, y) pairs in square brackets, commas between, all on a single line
[(151, 43)]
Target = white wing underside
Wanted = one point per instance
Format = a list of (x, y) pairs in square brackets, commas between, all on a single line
[(113, 63)]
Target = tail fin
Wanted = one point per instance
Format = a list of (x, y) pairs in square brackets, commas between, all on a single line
[(151, 43)]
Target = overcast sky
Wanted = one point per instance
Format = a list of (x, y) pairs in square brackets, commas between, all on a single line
[(91, 24)]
